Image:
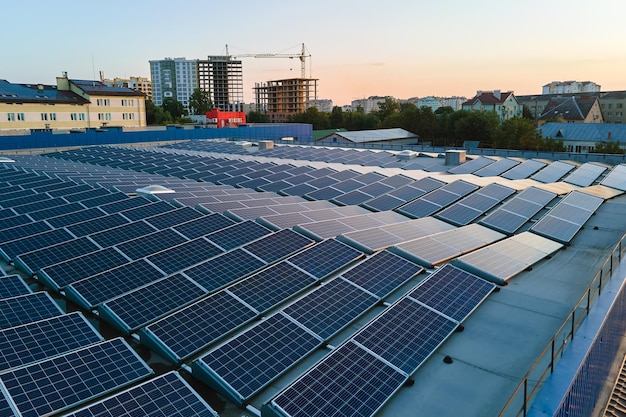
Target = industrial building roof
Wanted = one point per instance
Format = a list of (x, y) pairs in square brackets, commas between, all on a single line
[(425, 292)]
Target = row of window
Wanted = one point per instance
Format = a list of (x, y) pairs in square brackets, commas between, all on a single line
[(617, 114), (104, 116), (610, 105), (12, 117), (128, 116), (127, 102)]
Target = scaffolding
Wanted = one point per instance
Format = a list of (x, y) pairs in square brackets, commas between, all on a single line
[(280, 99)]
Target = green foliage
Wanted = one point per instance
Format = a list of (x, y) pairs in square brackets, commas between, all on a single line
[(319, 120), (257, 117), (608, 147), (162, 115), (174, 107), (518, 133), (552, 145), (387, 108), (479, 126), (200, 102)]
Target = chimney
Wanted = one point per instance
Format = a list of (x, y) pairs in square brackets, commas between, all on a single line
[(609, 135), (497, 94)]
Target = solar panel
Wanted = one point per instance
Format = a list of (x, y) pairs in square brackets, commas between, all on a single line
[(191, 329), (523, 170), (58, 210), (174, 217), (496, 168), (85, 195), (585, 175), (553, 172), (238, 234), (167, 395), (326, 193), (224, 269), (471, 165), (382, 273), (11, 249), (31, 262), (64, 381), (331, 307), (256, 357), (120, 234), (278, 245), (474, 205), (148, 210), (76, 216), (35, 341), (406, 334), (151, 243), (350, 382), (184, 255), (104, 199), (616, 178), (8, 234), (138, 308), (96, 289), (325, 258), (437, 199), (27, 308), (124, 204), (352, 198), (452, 292), (64, 273), (12, 286)]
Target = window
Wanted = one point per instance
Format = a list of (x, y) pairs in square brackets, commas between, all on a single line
[(53, 116), (131, 116), (73, 116), (100, 116), (81, 116), (609, 114), (619, 105), (11, 117), (44, 116), (107, 102), (618, 114), (99, 102), (107, 116), (20, 117)]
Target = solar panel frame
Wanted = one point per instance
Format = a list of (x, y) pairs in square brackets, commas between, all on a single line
[(146, 245), (32, 261), (27, 308), (325, 258), (184, 255), (278, 245), (10, 250), (12, 286), (238, 234)]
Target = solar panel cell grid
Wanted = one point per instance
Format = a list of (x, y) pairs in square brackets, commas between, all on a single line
[(224, 269), (278, 245), (151, 243), (31, 262), (12, 286), (238, 234), (325, 257), (184, 255), (27, 308)]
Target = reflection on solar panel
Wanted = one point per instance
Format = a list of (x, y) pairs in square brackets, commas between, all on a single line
[(331, 307), (174, 217), (437, 199), (616, 178), (553, 172), (474, 205), (31, 262), (224, 269), (497, 168), (331, 228), (517, 211), (11, 249), (452, 292), (503, 260), (403, 194), (64, 273), (43, 339), (269, 287), (382, 273), (254, 358), (18, 232), (148, 210), (191, 329), (472, 165), (56, 384), (167, 395), (441, 247), (96, 289), (523, 170), (27, 308), (278, 245), (147, 304), (97, 225), (238, 234), (567, 217), (12, 286), (152, 243), (585, 175), (350, 382), (325, 258)]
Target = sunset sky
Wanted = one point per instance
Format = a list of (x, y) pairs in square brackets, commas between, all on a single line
[(400, 48)]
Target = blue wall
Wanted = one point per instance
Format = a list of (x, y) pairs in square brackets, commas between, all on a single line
[(303, 133)]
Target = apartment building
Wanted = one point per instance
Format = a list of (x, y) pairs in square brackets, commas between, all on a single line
[(141, 84), (504, 104), (174, 78)]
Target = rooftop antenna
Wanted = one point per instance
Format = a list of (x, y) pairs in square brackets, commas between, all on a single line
[(93, 68)]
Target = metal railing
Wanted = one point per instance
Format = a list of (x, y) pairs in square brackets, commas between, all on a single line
[(532, 381)]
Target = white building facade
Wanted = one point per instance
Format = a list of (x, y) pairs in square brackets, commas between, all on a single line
[(570, 87)]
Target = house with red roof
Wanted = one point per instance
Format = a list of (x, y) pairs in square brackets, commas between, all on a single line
[(503, 103)]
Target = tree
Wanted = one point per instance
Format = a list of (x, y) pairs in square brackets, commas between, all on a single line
[(518, 133), (387, 107), (257, 117), (479, 126), (336, 118), (608, 147), (200, 101), (174, 108), (155, 115)]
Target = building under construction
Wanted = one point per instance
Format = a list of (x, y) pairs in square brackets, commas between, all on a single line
[(222, 77), (280, 99)]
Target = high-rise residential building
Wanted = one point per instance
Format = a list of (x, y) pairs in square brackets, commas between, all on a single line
[(222, 77), (322, 104), (173, 78)]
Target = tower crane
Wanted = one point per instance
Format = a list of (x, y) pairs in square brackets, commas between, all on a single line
[(302, 56)]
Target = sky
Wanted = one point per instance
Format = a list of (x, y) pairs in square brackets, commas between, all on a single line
[(357, 48)]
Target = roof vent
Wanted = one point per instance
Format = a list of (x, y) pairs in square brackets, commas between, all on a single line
[(154, 189), (406, 155), (4, 159)]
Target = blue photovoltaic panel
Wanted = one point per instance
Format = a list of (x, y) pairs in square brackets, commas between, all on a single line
[(97, 225), (437, 199), (453, 292), (51, 204), (191, 329), (104, 199), (238, 234), (58, 383), (256, 357), (325, 258), (43, 339), (165, 396), (25, 230), (224, 269), (147, 304), (174, 217), (523, 170), (71, 190), (15, 220), (31, 262), (64, 273), (149, 244), (148, 210), (184, 255), (350, 382), (85, 195), (12, 286), (331, 307), (75, 217), (122, 233), (5, 408), (271, 286), (53, 212), (326, 193), (27, 308), (518, 210), (125, 204), (406, 334), (20, 201), (382, 273), (13, 248), (112, 283), (278, 245), (553, 172), (204, 225), (616, 178)]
